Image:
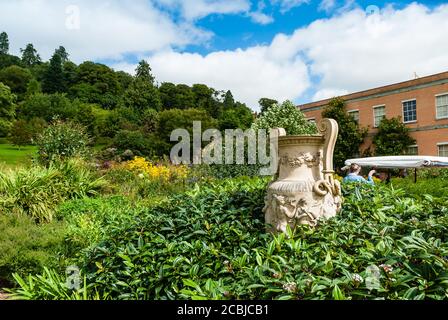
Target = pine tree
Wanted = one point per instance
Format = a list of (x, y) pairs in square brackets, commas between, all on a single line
[(63, 54), (30, 57), (229, 102), (143, 72), (4, 43), (54, 80)]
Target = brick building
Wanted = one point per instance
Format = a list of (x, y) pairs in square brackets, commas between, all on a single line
[(422, 105)]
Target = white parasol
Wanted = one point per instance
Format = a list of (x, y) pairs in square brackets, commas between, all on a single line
[(401, 162)]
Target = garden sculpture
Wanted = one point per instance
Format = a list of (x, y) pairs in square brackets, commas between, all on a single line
[(304, 189)]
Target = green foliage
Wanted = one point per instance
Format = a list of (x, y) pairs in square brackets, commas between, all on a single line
[(287, 116), (96, 83), (173, 119), (48, 107), (4, 43), (7, 60), (237, 117), (204, 98), (7, 109), (54, 81), (88, 220), (37, 191), (32, 88), (62, 53), (139, 143), (229, 101), (20, 133), (266, 103), (392, 138), (16, 78), (26, 247), (51, 286), (210, 243), (60, 141), (350, 135), (150, 121), (30, 57), (142, 95)]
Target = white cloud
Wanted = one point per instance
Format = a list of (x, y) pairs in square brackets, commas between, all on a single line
[(349, 52), (328, 93), (354, 51), (250, 74), (258, 16), (196, 9), (286, 5), (327, 5), (106, 28), (261, 18)]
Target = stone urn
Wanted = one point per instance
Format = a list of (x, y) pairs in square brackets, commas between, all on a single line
[(304, 189)]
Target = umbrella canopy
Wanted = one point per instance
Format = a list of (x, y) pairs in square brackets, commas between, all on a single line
[(401, 162)]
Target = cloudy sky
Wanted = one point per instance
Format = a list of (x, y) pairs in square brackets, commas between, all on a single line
[(302, 50)]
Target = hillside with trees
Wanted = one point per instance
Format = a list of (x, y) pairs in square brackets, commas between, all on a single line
[(115, 107)]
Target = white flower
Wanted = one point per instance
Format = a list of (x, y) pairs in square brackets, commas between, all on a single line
[(290, 287), (387, 268), (357, 278), (141, 176)]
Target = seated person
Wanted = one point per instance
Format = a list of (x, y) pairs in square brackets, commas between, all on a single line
[(353, 175)]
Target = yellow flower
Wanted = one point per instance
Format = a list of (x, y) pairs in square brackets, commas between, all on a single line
[(157, 172)]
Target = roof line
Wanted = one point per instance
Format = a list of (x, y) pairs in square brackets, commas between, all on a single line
[(382, 89)]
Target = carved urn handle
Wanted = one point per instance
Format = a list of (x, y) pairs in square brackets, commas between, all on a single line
[(329, 129)]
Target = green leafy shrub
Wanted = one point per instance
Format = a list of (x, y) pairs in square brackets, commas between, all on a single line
[(287, 116), (37, 191), (51, 286), (26, 247), (139, 143), (88, 220), (392, 138), (61, 141), (210, 243)]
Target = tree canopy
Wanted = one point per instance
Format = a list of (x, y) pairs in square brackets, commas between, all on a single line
[(392, 138), (350, 135)]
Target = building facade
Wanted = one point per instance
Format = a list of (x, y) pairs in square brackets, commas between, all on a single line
[(422, 104)]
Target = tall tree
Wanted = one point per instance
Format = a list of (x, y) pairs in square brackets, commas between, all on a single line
[(229, 101), (30, 57), (204, 99), (62, 53), (143, 72), (142, 94), (350, 135), (95, 83), (32, 88), (4, 43), (7, 109), (54, 80), (266, 103), (392, 138), (16, 78)]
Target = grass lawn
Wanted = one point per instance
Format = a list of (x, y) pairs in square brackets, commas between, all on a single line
[(13, 156)]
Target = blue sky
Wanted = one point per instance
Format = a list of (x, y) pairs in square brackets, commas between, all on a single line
[(301, 50)]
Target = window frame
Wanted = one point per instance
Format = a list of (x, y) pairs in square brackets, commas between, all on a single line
[(435, 103), (375, 125), (402, 110), (353, 111), (441, 144), (412, 146)]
